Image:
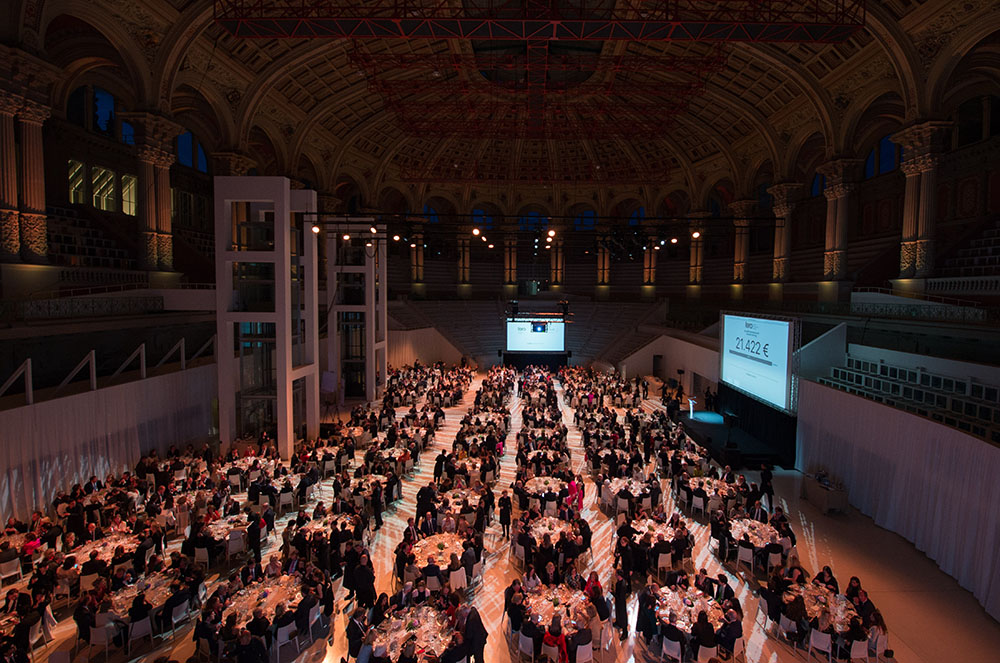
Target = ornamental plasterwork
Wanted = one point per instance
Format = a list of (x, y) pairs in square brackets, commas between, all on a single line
[(875, 68), (145, 28), (937, 33), (201, 61)]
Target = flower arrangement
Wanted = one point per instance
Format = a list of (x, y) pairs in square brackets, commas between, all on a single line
[(440, 546)]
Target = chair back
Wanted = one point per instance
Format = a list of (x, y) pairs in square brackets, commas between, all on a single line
[(458, 580), (859, 649), (819, 640), (140, 629), (773, 559), (87, 582), (744, 554), (433, 583), (201, 556), (550, 651), (706, 654), (698, 503), (477, 570), (179, 613), (787, 625), (99, 636), (671, 650), (11, 568), (584, 653), (525, 645), (663, 561), (738, 646), (284, 634)]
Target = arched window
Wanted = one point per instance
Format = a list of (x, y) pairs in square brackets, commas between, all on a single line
[(482, 220), (586, 220), (883, 158), (97, 110), (637, 217), (190, 152), (532, 221), (818, 185), (431, 214)]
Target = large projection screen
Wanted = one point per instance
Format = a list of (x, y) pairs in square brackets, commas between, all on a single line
[(756, 357), (526, 335)]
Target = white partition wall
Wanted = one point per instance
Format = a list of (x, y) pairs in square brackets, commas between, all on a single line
[(357, 322), (266, 299)]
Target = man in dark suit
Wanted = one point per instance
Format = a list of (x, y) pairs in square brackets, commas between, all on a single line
[(757, 512), (7, 553), (730, 631), (251, 573), (307, 603), (94, 565), (531, 629), (253, 534), (179, 595), (356, 630), (93, 533), (432, 570), (428, 527)]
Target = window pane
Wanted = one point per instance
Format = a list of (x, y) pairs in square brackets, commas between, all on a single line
[(818, 185), (128, 133), (185, 149), (128, 194), (870, 165), (104, 111), (202, 163), (886, 155), (77, 185), (102, 187)]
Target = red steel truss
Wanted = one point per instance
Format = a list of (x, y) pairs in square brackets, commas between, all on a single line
[(631, 20), (527, 173), (485, 91)]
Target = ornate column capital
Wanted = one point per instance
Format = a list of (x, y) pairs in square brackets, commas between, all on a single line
[(839, 190), (326, 203), (153, 129), (923, 138), (742, 208), (10, 103), (156, 156), (786, 196), (840, 170), (33, 112)]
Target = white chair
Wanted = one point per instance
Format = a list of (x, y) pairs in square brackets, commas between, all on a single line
[(821, 642), (180, 475), (179, 615), (11, 569), (235, 545), (285, 502), (671, 650), (139, 630), (434, 584), (34, 635), (87, 582), (877, 645), (201, 557), (477, 572), (698, 504), (786, 627), (99, 637), (550, 651), (584, 653), (329, 467), (234, 481), (104, 618), (744, 555), (519, 555), (621, 505), (773, 560), (284, 637), (705, 654), (859, 649), (307, 634), (458, 580), (525, 647), (739, 649)]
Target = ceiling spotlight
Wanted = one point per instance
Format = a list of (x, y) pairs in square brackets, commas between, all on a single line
[(395, 238), (548, 246), (346, 237), (662, 242), (548, 240), (483, 238), (489, 246), (475, 231), (368, 244), (673, 240), (643, 248), (695, 235), (656, 248), (315, 229), (413, 245), (373, 229), (552, 233)]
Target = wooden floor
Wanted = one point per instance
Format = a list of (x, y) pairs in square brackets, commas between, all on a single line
[(931, 619)]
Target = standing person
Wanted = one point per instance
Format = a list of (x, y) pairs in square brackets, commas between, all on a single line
[(364, 582), (377, 503), (766, 487), (505, 509), (475, 636), (253, 534), (621, 591), (357, 629)]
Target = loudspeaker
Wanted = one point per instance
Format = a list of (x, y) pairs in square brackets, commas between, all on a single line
[(569, 353), (680, 371), (500, 353)]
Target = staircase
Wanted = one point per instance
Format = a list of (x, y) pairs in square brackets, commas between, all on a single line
[(976, 257), (76, 242)]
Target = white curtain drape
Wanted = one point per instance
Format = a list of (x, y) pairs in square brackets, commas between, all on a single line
[(427, 345), (52, 445), (932, 484)]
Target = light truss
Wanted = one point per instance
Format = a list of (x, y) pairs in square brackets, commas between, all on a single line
[(822, 21)]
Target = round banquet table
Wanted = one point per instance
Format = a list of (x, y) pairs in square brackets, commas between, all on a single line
[(717, 485), (455, 498), (643, 526), (760, 533), (220, 529), (426, 625), (637, 489), (551, 526), (441, 546), (106, 547), (542, 485), (328, 523), (546, 600), (819, 599), (155, 586), (686, 603), (265, 595)]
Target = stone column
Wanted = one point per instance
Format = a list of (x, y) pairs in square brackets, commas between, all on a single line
[(785, 198), (923, 145), (234, 163), (149, 245), (417, 257), (10, 227), (840, 186), (33, 219), (464, 259), (603, 262), (696, 253), (557, 263), (741, 210), (164, 222), (510, 259), (649, 261)]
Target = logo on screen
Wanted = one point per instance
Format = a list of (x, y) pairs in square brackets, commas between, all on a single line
[(748, 325), (538, 327)]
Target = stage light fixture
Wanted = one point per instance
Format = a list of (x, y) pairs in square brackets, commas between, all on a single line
[(368, 244), (346, 237), (552, 233), (662, 242), (475, 231), (673, 240), (656, 248), (315, 229), (483, 238), (695, 235), (395, 238), (548, 240), (489, 246), (413, 245), (548, 246), (373, 230)]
